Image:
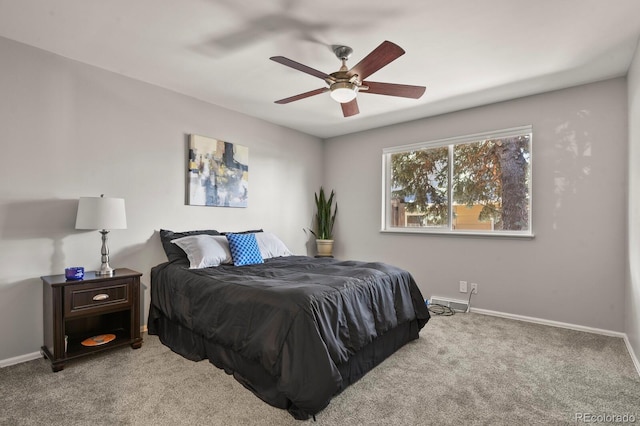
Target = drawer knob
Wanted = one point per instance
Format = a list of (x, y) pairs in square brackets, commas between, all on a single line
[(101, 296)]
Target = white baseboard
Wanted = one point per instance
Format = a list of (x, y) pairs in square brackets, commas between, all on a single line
[(570, 326), (632, 353), (19, 359), (549, 322)]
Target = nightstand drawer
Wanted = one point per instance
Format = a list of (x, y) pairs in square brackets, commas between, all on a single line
[(79, 299)]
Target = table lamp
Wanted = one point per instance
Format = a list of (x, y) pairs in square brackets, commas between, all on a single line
[(103, 214)]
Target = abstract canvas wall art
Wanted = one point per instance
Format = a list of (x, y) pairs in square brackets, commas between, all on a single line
[(218, 173)]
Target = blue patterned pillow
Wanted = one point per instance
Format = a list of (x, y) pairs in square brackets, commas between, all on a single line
[(244, 249)]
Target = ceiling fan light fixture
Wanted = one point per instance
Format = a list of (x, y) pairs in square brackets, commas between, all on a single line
[(343, 92)]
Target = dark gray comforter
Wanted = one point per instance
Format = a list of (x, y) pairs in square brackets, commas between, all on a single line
[(297, 317)]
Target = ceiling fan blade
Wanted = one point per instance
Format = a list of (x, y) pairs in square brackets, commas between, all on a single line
[(302, 95), (300, 67), (382, 55), (350, 108), (390, 89)]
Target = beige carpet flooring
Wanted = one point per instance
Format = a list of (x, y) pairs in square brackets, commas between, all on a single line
[(468, 369)]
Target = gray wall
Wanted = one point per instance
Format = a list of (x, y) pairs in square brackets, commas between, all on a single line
[(573, 271), (632, 290), (69, 130)]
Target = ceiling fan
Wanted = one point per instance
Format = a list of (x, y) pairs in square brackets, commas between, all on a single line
[(345, 83)]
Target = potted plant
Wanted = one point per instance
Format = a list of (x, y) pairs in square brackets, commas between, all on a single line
[(325, 218)]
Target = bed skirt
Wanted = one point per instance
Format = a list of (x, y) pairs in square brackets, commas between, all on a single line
[(254, 377)]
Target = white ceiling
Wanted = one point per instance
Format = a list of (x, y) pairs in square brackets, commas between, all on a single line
[(466, 52)]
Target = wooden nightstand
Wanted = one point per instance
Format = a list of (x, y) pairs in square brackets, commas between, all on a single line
[(93, 306)]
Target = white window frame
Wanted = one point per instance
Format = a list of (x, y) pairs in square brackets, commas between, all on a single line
[(451, 142)]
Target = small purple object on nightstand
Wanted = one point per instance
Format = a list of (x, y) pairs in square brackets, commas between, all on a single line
[(74, 273)]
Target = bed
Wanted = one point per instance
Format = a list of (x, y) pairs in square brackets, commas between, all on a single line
[(295, 330)]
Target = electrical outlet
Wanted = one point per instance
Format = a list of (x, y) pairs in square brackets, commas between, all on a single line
[(463, 286), (474, 288)]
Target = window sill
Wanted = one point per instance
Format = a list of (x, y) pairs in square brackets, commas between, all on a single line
[(443, 232)]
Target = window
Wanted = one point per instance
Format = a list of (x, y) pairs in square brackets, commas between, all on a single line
[(476, 184)]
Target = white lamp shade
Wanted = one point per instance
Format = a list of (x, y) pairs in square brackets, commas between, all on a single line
[(101, 213)]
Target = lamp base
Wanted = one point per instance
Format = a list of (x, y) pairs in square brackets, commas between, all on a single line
[(105, 269), (105, 272)]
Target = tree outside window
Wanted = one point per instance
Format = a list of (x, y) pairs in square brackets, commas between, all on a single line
[(471, 184)]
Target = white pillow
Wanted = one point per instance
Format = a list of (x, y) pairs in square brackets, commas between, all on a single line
[(270, 245), (204, 251)]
